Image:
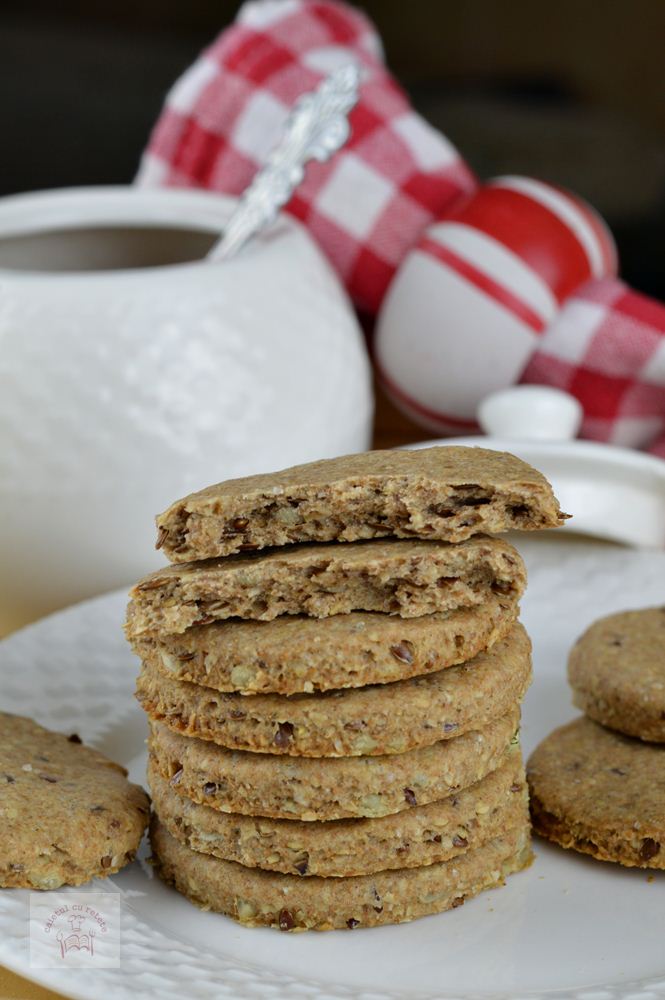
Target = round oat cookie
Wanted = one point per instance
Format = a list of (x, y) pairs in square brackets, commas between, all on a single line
[(300, 655), (420, 836), (375, 720), (67, 813), (600, 793), (617, 672), (260, 898), (323, 788)]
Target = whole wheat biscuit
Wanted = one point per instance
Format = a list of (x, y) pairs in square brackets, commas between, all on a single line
[(601, 793), (449, 493), (419, 836), (380, 719), (406, 578), (67, 813), (295, 654), (617, 672), (318, 788), (260, 898)]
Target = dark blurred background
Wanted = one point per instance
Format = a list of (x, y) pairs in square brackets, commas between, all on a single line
[(572, 92)]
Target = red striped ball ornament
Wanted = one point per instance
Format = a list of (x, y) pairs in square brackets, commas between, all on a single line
[(468, 304)]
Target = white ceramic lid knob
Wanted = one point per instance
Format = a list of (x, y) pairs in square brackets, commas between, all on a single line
[(531, 412)]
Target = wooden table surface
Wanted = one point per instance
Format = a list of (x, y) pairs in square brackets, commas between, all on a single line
[(391, 430)]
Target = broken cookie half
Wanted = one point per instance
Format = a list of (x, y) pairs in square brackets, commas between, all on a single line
[(444, 493)]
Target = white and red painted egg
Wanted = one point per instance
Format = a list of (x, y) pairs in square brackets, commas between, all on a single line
[(469, 302)]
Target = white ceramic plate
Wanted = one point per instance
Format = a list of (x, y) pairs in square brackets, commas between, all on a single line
[(568, 927)]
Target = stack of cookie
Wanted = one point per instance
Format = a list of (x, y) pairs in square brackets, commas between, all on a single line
[(333, 725), (598, 783)]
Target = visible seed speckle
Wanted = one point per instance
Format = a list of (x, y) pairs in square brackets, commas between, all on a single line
[(48, 777), (175, 778), (162, 535), (284, 734), (302, 866), (75, 738), (209, 788), (410, 796), (286, 921), (97, 809), (403, 651), (106, 861), (649, 849), (459, 901), (9, 779), (351, 923), (460, 841)]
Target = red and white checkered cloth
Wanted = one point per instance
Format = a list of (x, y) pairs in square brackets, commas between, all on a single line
[(607, 348), (369, 204)]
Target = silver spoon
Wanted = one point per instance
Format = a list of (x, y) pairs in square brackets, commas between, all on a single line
[(316, 128)]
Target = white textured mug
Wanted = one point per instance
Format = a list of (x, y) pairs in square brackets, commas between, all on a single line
[(127, 380)]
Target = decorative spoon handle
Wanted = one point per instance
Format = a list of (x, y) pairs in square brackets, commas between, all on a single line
[(316, 128)]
